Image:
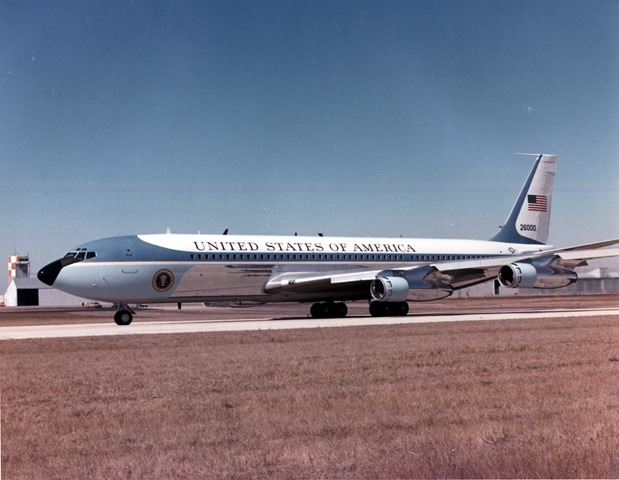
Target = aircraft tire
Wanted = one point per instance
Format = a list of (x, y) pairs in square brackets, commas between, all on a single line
[(401, 309), (317, 310), (329, 310), (123, 317), (377, 309), (389, 309)]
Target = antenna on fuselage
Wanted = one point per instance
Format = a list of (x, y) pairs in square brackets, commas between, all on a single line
[(225, 232)]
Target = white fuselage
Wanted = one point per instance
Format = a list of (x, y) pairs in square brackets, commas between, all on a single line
[(235, 268)]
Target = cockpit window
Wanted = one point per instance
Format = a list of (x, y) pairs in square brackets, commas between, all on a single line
[(81, 254)]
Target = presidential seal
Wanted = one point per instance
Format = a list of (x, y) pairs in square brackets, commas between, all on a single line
[(163, 280)]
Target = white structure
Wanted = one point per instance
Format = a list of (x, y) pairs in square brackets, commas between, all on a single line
[(25, 291), (19, 267)]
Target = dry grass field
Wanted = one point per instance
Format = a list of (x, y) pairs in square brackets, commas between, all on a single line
[(472, 400)]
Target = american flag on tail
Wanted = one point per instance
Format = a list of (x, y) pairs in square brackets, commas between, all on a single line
[(537, 203)]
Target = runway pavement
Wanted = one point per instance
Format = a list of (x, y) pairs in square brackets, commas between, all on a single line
[(211, 323)]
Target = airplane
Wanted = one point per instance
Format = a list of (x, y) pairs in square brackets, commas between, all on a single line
[(325, 271)]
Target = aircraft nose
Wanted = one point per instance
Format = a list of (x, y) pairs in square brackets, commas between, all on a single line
[(49, 273)]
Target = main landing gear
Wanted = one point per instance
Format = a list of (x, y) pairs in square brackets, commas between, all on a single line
[(377, 309), (124, 315), (329, 310), (388, 309)]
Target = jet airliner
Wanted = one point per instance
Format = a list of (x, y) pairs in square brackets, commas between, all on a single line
[(325, 271)]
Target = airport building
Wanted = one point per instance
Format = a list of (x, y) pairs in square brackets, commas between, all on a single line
[(27, 291)]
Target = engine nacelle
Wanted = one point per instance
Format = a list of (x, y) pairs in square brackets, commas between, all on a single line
[(525, 275), (516, 275), (389, 289)]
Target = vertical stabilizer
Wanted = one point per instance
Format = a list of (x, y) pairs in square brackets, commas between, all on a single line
[(529, 220)]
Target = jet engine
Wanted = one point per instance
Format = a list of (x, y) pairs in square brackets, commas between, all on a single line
[(525, 275), (517, 275), (389, 289)]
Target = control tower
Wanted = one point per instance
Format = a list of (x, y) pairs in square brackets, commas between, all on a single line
[(19, 267)]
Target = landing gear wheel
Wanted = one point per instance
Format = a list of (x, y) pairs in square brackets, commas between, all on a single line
[(401, 309), (123, 317), (341, 309), (388, 309), (316, 311), (377, 309), (329, 310)]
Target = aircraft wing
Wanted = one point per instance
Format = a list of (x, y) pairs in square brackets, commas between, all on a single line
[(467, 273), (462, 272), (443, 276), (439, 276), (577, 256), (593, 246)]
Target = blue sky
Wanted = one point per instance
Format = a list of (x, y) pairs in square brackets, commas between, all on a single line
[(343, 117)]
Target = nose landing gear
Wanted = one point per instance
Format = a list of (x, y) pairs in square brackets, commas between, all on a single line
[(124, 315)]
